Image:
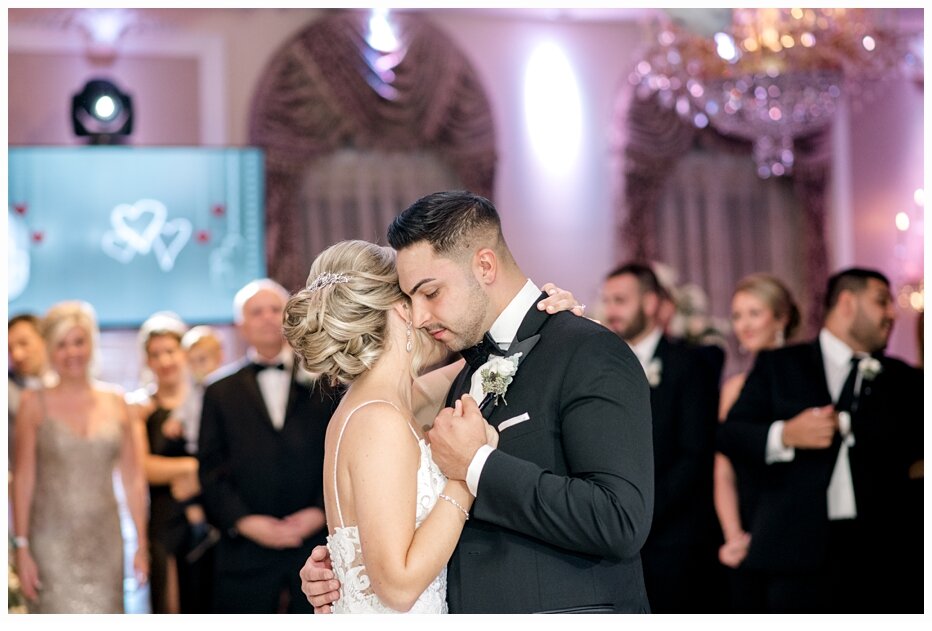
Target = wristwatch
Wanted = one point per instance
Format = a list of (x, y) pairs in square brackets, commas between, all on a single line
[(20, 542)]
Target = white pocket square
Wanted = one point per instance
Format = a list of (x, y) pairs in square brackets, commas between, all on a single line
[(513, 421)]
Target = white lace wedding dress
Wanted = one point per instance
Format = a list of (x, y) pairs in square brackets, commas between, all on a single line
[(346, 554)]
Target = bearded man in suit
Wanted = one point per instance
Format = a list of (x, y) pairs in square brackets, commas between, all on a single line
[(261, 449), (828, 431), (681, 570)]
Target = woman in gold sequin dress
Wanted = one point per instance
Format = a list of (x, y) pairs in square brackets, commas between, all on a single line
[(69, 440)]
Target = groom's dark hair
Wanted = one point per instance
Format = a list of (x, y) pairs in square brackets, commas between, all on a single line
[(854, 280), (448, 221)]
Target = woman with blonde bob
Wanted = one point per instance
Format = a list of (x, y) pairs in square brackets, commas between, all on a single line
[(764, 315), (69, 440), (394, 519)]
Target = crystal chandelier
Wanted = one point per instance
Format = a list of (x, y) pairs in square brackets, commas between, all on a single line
[(774, 76)]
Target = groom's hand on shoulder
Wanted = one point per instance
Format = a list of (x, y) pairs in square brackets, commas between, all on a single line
[(457, 434)]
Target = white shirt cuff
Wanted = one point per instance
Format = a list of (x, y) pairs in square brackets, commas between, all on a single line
[(475, 468), (776, 451)]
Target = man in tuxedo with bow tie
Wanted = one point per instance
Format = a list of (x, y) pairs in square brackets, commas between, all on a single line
[(563, 504), (828, 431), (680, 556), (261, 449)]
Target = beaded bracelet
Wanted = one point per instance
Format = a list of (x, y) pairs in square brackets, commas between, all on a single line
[(455, 503)]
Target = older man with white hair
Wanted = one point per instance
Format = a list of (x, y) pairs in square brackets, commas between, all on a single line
[(261, 452)]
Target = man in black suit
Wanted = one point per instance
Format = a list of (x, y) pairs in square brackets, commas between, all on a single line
[(261, 460), (828, 431), (680, 564), (563, 504)]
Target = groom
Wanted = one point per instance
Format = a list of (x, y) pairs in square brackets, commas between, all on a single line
[(564, 504)]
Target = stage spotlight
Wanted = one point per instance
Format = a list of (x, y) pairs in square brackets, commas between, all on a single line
[(102, 112)]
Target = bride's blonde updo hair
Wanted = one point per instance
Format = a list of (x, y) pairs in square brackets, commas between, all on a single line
[(338, 324)]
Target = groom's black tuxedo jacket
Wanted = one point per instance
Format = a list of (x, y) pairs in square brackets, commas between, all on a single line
[(784, 505), (564, 504), (248, 467)]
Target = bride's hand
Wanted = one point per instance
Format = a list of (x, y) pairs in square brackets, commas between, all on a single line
[(560, 300), (491, 436)]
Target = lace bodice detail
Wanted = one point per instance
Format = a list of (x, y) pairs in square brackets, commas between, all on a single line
[(356, 594)]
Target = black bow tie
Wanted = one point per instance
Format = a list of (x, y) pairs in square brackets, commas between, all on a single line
[(259, 367), (477, 355)]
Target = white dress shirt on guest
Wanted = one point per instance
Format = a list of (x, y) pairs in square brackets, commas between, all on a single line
[(836, 359), (645, 349), (274, 383)]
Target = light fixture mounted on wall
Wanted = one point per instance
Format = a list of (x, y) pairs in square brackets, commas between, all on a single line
[(102, 112)]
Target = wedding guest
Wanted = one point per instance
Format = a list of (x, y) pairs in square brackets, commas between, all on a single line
[(205, 351), (205, 355), (763, 315), (679, 553), (828, 431), (180, 580), (69, 439), (28, 366), (261, 450)]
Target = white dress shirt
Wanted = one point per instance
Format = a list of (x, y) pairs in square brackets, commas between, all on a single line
[(274, 384), (503, 331), (645, 349), (836, 359)]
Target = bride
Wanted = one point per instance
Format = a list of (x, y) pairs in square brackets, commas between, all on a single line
[(353, 324)]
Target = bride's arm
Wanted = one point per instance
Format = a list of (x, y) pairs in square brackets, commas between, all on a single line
[(382, 457)]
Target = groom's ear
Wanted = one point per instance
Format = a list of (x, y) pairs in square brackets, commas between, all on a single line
[(485, 266)]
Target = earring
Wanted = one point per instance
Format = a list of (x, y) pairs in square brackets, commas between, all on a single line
[(780, 338), (408, 333)]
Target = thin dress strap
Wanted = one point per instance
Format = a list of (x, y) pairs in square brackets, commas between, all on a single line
[(336, 494)]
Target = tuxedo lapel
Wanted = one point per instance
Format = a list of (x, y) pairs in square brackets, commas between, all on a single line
[(818, 384), (293, 388), (254, 394), (525, 340)]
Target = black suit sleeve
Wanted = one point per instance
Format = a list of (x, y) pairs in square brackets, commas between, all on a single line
[(223, 504), (603, 506), (743, 435)]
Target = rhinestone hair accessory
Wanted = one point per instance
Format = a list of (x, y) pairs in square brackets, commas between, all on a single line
[(326, 279)]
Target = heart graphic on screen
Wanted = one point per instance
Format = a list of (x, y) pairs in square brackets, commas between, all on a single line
[(170, 241), (117, 248), (139, 224)]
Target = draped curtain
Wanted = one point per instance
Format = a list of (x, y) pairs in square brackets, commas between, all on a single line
[(692, 199), (327, 90)]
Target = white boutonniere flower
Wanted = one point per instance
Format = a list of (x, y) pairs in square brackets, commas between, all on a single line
[(653, 371), (869, 367), (497, 374)]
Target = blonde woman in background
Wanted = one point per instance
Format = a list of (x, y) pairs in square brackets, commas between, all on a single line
[(764, 315), (69, 440)]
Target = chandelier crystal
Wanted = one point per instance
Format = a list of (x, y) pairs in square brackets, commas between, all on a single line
[(774, 76)]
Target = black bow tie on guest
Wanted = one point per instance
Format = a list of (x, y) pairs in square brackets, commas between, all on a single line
[(259, 367), (477, 355)]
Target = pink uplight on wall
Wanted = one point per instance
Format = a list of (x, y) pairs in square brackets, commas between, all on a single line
[(552, 108)]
